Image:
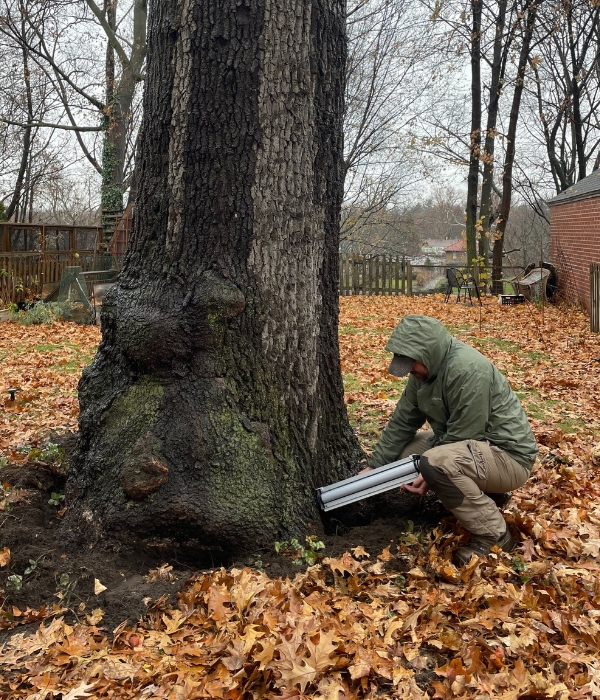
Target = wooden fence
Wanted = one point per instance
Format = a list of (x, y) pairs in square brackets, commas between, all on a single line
[(375, 274), (392, 275), (30, 275), (595, 297)]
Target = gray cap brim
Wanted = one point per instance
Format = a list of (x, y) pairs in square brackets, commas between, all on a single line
[(401, 365)]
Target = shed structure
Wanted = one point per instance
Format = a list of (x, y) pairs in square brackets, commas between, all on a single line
[(575, 236)]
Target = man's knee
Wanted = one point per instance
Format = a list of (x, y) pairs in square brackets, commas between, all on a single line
[(449, 494)]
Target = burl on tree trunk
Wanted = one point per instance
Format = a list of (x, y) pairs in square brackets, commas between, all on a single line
[(214, 406)]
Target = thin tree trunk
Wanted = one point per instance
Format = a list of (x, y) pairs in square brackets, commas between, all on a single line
[(473, 176), (113, 152), (119, 103), (214, 406), (17, 192), (509, 157), (576, 96), (501, 48)]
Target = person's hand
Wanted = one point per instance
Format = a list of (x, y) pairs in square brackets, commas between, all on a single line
[(419, 486), (365, 470)]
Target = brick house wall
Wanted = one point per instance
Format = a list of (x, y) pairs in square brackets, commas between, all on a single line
[(575, 244)]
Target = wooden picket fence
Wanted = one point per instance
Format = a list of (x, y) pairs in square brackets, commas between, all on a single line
[(29, 275), (375, 274), (595, 297)]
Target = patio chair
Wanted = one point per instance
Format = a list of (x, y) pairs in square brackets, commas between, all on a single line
[(451, 281), (467, 284)]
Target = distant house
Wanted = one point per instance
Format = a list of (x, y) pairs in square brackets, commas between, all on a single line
[(575, 236), (456, 253), (436, 246)]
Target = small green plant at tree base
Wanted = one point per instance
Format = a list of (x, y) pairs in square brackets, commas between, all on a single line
[(66, 586), (50, 453), (31, 568), (519, 565), (299, 554), (400, 581), (56, 499), (14, 582)]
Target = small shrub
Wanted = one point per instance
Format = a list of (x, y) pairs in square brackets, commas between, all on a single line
[(41, 313), (299, 554)]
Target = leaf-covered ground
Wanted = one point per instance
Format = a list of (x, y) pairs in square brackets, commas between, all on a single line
[(401, 622)]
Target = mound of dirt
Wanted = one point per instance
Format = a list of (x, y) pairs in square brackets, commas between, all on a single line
[(123, 578)]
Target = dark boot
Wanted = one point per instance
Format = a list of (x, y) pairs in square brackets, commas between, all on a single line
[(481, 546), (500, 499)]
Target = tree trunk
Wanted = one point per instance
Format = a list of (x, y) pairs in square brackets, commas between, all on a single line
[(473, 177), (13, 207), (113, 147), (118, 113), (509, 157), (214, 406), (501, 48)]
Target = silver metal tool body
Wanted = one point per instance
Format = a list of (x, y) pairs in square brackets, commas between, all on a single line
[(356, 488)]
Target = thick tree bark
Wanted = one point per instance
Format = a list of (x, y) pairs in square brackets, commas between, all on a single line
[(214, 406)]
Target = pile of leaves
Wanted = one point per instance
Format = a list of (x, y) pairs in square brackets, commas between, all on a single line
[(404, 622), (400, 624)]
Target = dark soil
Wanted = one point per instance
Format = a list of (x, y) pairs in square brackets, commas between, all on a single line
[(31, 530)]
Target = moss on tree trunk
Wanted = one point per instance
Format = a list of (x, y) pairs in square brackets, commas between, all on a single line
[(214, 406)]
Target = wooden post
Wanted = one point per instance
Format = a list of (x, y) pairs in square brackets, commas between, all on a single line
[(403, 275), (363, 274), (595, 298), (408, 278), (5, 238)]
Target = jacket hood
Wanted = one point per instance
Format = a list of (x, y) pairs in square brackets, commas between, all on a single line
[(422, 338)]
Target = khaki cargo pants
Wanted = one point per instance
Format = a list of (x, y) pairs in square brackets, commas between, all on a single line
[(462, 473)]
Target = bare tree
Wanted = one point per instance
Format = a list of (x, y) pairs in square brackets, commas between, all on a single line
[(386, 76), (528, 15), (565, 96), (94, 96)]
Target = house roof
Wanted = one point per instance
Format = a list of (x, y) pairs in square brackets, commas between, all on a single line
[(588, 187), (439, 242), (457, 245)]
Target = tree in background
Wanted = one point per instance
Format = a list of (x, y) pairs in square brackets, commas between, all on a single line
[(214, 406), (88, 95), (563, 101), (387, 75)]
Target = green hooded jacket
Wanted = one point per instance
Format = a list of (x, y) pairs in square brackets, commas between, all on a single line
[(464, 398)]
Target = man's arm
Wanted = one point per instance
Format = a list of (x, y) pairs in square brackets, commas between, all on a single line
[(406, 419)]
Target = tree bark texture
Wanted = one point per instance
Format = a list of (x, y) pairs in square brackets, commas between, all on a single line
[(475, 145), (214, 406)]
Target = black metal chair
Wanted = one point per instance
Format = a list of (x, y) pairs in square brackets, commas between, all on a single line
[(452, 281), (467, 284)]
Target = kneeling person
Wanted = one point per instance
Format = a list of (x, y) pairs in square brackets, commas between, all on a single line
[(480, 441)]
